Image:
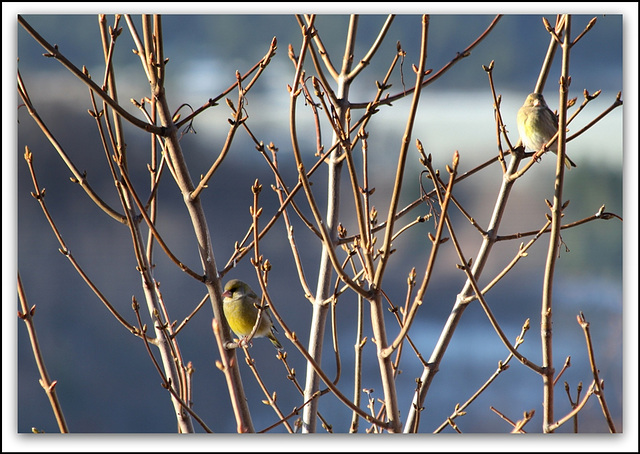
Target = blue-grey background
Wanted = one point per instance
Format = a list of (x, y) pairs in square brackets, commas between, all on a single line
[(106, 382)]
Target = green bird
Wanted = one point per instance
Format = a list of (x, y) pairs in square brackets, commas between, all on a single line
[(241, 312), (537, 124)]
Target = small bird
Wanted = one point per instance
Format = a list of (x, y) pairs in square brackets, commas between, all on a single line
[(537, 124), (241, 312)]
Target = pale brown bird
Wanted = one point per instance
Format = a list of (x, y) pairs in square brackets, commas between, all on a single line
[(537, 124)]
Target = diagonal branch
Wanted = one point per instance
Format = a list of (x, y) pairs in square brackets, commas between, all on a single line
[(53, 52)]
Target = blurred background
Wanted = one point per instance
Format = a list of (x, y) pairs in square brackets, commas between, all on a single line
[(106, 382)]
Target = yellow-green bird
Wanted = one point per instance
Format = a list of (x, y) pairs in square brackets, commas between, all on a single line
[(241, 312), (537, 124)]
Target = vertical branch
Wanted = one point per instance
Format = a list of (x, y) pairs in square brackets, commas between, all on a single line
[(155, 171), (152, 60), (554, 237), (402, 158), (226, 364), (551, 51), (185, 423), (377, 313), (108, 40), (360, 205), (320, 310), (357, 365)]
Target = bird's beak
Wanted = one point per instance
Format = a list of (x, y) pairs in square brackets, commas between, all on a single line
[(226, 294)]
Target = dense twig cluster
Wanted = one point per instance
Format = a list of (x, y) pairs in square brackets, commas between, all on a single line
[(354, 264)]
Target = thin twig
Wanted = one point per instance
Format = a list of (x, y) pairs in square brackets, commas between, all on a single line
[(598, 389), (53, 52), (458, 57), (553, 427), (39, 195), (166, 382), (271, 398), (504, 417), (502, 366), (567, 364), (79, 177), (435, 243), (49, 386), (152, 227), (235, 124), (374, 47), (528, 415)]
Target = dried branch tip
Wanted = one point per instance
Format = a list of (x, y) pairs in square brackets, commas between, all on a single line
[(488, 68)]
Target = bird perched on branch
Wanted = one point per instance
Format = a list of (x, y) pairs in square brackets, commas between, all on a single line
[(241, 311), (537, 124)]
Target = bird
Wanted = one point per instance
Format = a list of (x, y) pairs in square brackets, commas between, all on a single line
[(240, 309), (537, 124)]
